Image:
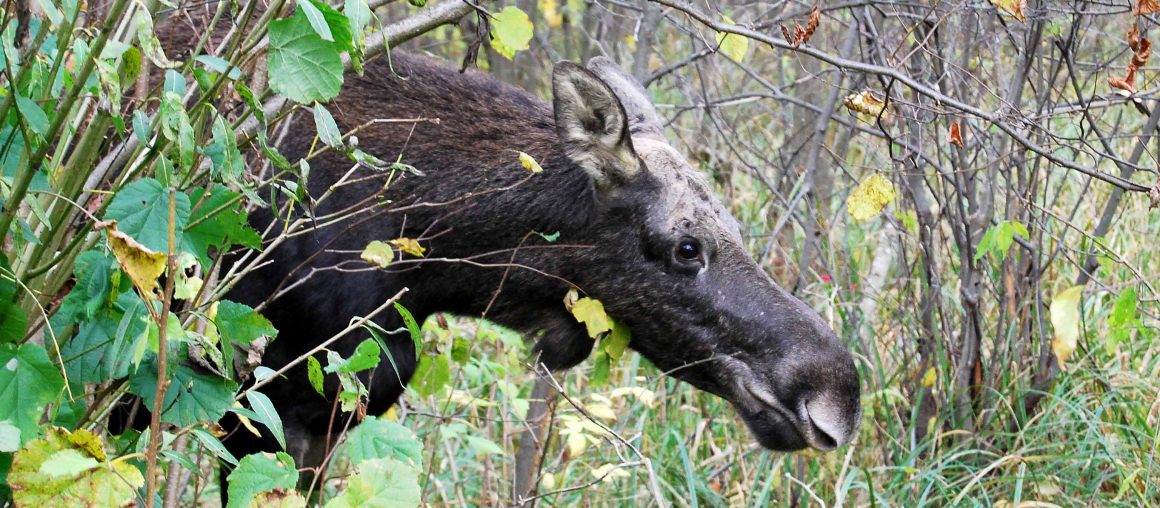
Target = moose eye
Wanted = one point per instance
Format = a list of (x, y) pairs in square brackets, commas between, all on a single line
[(689, 250)]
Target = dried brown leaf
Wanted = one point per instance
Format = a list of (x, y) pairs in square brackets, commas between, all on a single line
[(801, 35), (1154, 195), (867, 103), (1141, 50), (1143, 7), (955, 136)]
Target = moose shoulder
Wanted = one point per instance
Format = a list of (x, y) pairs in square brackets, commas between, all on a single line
[(639, 229)]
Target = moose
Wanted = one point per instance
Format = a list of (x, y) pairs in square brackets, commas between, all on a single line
[(639, 229)]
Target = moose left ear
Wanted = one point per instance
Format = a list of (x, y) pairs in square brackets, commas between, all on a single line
[(593, 126)]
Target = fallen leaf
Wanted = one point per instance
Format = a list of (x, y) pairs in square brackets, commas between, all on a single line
[(955, 136), (410, 246), (871, 196), (142, 265), (1065, 320)]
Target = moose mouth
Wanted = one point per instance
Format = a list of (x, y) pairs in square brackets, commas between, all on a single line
[(809, 431)]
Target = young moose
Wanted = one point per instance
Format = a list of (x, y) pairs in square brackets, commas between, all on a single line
[(639, 229)]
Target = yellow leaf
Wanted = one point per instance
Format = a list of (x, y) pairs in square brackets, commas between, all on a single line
[(576, 444), (141, 264), (871, 196), (928, 378), (550, 10), (1065, 320), (1012, 7), (246, 422), (410, 246), (591, 312), (529, 163), (611, 470), (734, 46), (379, 253), (600, 410), (867, 103), (511, 31), (548, 482)]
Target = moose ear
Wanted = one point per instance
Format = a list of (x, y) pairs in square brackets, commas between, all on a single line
[(593, 126)]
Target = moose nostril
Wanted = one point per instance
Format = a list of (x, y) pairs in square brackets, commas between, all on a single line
[(829, 424)]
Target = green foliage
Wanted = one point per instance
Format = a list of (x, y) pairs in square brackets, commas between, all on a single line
[(193, 396), (28, 382), (259, 473), (13, 321), (381, 483), (998, 239), (70, 469), (511, 31), (376, 438), (301, 64)]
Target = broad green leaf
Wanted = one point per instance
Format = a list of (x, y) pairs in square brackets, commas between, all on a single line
[(460, 350), (616, 342), (317, 22), (327, 130), (376, 438), (358, 13), (601, 369), (141, 210), (732, 45), (13, 321), (147, 37), (871, 196), (314, 374), (998, 239), (68, 462), (378, 253), (1065, 318), (219, 222), (590, 311), (511, 31), (104, 345), (9, 437), (258, 473), (192, 396), (1122, 319), (241, 323), (33, 115), (381, 483), (339, 24), (482, 446), (28, 382), (70, 469), (431, 375), (219, 65), (365, 357), (267, 415), (301, 65)]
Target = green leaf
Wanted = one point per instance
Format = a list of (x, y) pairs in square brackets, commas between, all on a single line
[(590, 311), (460, 350), (601, 369), (327, 129), (66, 469), (412, 326), (339, 24), (732, 45), (358, 13), (13, 321), (28, 382), (241, 324), (214, 445), (482, 446), (141, 210), (33, 115), (228, 164), (219, 223), (149, 43), (314, 374), (378, 253), (511, 31), (301, 65), (67, 462), (258, 473), (1122, 319), (192, 396), (381, 483), (9, 437), (365, 357), (431, 375), (317, 22), (105, 344), (376, 438), (267, 415), (616, 342)]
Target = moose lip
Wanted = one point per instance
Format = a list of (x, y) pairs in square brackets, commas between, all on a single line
[(800, 420)]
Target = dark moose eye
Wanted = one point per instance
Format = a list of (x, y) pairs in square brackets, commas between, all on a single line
[(689, 250)]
